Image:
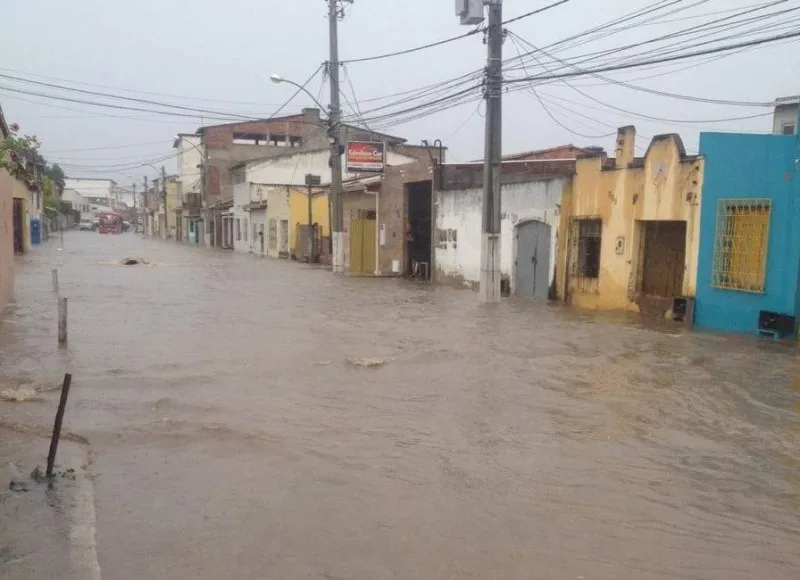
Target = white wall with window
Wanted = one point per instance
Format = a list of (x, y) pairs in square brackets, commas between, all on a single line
[(458, 218), (241, 201)]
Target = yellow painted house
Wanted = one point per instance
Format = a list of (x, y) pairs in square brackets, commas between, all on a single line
[(631, 228), (298, 212)]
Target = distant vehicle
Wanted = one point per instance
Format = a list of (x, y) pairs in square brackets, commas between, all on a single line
[(110, 223), (86, 225)]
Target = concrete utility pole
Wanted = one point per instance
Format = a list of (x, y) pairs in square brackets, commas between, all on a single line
[(135, 214), (335, 133), (164, 197), (492, 163), (311, 181), (145, 196)]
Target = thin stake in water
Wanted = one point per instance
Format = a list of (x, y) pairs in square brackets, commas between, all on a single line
[(62, 404)]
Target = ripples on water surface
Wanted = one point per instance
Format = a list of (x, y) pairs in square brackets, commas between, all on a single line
[(233, 436)]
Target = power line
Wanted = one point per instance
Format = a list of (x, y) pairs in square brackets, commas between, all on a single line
[(716, 50), (451, 39), (136, 91), (123, 98)]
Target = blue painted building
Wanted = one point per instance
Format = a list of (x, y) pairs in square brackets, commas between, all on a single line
[(749, 260)]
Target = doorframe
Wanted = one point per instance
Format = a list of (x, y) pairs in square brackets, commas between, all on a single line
[(546, 217)]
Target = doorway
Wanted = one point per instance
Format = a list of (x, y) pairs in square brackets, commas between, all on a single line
[(418, 232), (533, 260), (662, 258), (362, 242), (19, 226)]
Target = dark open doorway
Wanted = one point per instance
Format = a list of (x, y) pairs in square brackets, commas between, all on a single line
[(418, 232), (19, 227)]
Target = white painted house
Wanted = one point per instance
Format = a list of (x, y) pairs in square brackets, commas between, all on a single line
[(190, 161), (529, 233), (91, 187)]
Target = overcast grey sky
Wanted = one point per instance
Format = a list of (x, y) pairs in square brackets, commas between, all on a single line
[(219, 55)]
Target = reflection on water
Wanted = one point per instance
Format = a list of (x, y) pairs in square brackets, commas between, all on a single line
[(233, 434)]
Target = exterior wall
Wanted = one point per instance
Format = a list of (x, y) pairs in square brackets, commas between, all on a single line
[(258, 219), (241, 197), (6, 239), (79, 203), (320, 214), (19, 190), (751, 166), (173, 201), (224, 152), (393, 211), (277, 210), (190, 158), (91, 187), (664, 186), (291, 168), (459, 227), (784, 115)]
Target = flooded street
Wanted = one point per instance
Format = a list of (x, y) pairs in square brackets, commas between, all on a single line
[(251, 419)]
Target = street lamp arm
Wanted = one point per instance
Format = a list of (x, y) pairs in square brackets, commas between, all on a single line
[(278, 79)]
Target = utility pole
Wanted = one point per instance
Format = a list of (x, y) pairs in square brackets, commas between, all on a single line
[(493, 163), (335, 133), (311, 181), (164, 197), (135, 215), (146, 195)]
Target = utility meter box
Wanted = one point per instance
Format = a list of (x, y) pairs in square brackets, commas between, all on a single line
[(470, 11)]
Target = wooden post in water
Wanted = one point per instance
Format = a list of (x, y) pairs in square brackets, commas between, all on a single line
[(54, 272), (62, 320), (51, 455)]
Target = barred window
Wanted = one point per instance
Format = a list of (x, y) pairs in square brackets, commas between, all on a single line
[(589, 237), (740, 244), (273, 234)]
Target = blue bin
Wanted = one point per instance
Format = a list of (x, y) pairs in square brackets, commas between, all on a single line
[(36, 232)]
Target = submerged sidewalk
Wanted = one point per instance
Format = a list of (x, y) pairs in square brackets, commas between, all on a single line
[(45, 532)]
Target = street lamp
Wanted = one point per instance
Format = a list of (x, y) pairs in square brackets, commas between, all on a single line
[(278, 79), (334, 136)]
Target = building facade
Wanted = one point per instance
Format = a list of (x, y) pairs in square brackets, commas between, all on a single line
[(300, 213), (532, 190), (749, 261), (6, 227), (631, 228)]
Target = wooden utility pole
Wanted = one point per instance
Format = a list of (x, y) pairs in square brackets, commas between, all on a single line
[(62, 404)]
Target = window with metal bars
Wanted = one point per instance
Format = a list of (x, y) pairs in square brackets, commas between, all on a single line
[(586, 239), (740, 244), (273, 234)]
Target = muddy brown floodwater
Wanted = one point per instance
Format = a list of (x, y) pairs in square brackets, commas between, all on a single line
[(255, 419)]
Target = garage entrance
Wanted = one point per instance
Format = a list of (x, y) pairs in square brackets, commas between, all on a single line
[(662, 258)]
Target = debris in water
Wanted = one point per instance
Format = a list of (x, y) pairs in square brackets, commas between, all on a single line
[(130, 262), (16, 481), (367, 363), (20, 394)]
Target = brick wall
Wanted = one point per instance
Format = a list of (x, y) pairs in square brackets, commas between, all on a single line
[(393, 209), (470, 175)]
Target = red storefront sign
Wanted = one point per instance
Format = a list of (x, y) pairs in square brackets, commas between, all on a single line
[(365, 156)]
